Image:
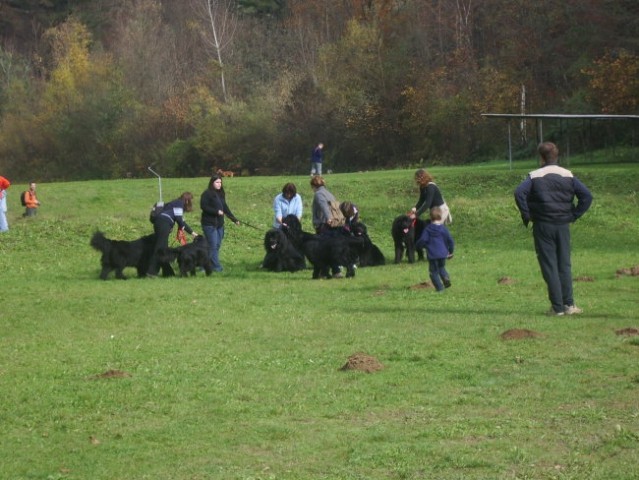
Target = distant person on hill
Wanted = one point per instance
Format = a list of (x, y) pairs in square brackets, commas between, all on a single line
[(316, 159), (439, 245), (4, 185), (546, 197), (214, 209), (289, 202), (429, 197), (31, 201), (172, 213)]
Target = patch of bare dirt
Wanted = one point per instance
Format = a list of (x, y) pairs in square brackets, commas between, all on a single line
[(584, 278), (362, 362), (632, 271), (519, 334), (627, 331), (422, 285), (112, 374), (506, 281)]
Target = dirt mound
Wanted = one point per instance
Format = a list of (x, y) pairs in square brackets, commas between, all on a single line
[(506, 281), (422, 285), (627, 331), (632, 271), (584, 278), (519, 334), (362, 362), (112, 374)]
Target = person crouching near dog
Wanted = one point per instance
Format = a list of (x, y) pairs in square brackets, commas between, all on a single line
[(289, 202), (214, 208), (172, 213), (439, 245)]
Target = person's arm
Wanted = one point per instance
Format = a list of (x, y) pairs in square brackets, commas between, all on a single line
[(450, 244), (422, 240), (426, 195), (299, 207), (228, 213), (277, 209), (521, 199), (584, 199), (178, 214)]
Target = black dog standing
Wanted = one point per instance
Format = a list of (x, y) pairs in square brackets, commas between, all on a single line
[(405, 231)]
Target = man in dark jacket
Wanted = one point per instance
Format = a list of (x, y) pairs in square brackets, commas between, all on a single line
[(546, 198)]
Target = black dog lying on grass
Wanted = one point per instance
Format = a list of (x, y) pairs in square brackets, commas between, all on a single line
[(369, 255), (330, 250), (406, 232), (189, 257), (281, 254), (118, 254)]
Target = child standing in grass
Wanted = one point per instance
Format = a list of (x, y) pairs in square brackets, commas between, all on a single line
[(439, 245)]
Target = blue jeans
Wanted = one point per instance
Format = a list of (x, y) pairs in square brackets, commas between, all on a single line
[(437, 271), (214, 236)]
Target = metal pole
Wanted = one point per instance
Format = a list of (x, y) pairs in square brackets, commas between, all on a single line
[(510, 148), (159, 182)]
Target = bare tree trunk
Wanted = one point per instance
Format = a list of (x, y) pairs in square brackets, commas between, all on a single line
[(221, 21)]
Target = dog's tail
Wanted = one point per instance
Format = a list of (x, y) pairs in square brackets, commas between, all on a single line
[(100, 242)]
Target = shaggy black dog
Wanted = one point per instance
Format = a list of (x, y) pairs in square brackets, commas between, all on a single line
[(281, 254), (369, 255), (190, 256), (118, 254), (330, 250), (406, 232)]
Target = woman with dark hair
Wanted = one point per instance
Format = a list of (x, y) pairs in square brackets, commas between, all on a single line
[(289, 202), (429, 197), (214, 208), (172, 213)]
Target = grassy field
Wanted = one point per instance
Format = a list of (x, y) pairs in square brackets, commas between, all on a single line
[(237, 376)]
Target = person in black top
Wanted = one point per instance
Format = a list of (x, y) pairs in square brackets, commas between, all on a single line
[(172, 213), (429, 197), (214, 208)]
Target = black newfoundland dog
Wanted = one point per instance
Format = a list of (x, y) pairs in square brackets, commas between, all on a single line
[(330, 250), (284, 247), (119, 254), (281, 254), (369, 255), (406, 232), (190, 256)]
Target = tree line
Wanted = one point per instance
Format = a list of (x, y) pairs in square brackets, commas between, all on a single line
[(104, 89)]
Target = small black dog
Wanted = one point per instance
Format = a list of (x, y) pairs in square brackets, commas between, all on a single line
[(406, 232), (281, 254), (190, 256), (369, 255), (330, 250), (118, 254)]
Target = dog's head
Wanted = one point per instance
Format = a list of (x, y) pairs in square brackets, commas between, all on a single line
[(274, 240), (403, 224)]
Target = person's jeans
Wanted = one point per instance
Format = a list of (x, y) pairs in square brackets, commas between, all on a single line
[(437, 271), (316, 168), (214, 236)]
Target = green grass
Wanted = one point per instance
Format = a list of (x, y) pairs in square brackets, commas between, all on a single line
[(237, 376)]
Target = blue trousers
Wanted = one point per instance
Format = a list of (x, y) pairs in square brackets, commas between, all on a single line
[(437, 272), (214, 236)]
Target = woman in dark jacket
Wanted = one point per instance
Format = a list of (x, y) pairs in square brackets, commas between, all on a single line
[(172, 213), (429, 197), (214, 207)]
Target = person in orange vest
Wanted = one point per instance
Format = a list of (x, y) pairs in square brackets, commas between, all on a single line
[(4, 184), (31, 201)]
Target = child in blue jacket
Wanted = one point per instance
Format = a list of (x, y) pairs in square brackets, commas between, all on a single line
[(439, 245)]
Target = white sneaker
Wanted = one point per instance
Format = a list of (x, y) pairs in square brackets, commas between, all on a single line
[(572, 310)]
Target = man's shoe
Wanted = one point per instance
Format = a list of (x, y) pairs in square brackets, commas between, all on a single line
[(572, 310), (552, 313), (446, 283)]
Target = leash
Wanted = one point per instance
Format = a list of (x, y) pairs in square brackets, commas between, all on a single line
[(249, 225)]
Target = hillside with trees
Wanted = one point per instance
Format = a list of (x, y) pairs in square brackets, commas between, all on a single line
[(102, 89)]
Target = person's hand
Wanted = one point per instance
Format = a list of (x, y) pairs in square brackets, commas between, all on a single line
[(237, 223), (195, 234), (450, 256), (526, 221)]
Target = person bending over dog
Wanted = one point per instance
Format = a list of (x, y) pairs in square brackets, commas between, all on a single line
[(172, 213)]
